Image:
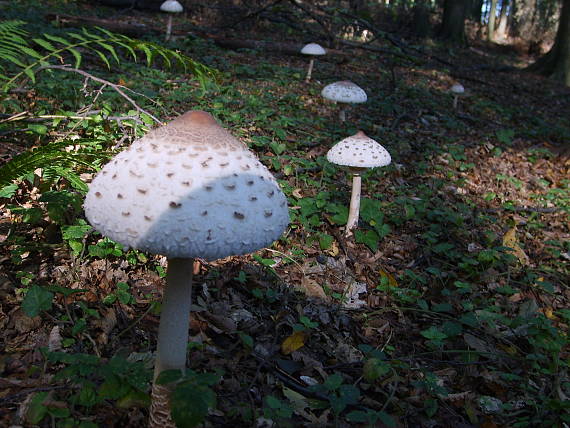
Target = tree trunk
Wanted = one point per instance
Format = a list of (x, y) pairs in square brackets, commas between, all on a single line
[(420, 20), (501, 30), (523, 23), (453, 22), (476, 10), (556, 63), (491, 21)]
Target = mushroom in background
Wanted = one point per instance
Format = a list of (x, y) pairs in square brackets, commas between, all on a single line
[(313, 49), (357, 152), (185, 190), (344, 92), (457, 90), (170, 7)]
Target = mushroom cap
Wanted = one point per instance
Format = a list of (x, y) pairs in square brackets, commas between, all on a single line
[(171, 6), (458, 88), (188, 189), (344, 92), (359, 151), (313, 49)]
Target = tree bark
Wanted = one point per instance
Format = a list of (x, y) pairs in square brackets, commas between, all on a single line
[(556, 63), (421, 23), (501, 30), (523, 19), (491, 21), (453, 22)]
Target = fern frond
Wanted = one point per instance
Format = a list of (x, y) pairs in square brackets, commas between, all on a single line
[(15, 49), (51, 156)]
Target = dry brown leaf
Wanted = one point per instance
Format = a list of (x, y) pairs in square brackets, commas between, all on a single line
[(391, 280), (510, 240), (293, 342), (312, 288)]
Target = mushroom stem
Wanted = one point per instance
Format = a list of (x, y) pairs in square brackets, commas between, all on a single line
[(342, 114), (174, 317), (455, 99), (168, 27), (310, 70), (172, 335), (354, 209)]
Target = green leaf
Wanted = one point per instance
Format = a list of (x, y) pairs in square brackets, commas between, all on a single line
[(433, 333), (37, 299), (36, 410), (8, 191), (45, 44), (190, 403), (368, 238)]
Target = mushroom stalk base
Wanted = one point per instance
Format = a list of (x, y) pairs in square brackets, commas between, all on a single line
[(172, 335), (455, 100), (309, 71), (354, 209), (342, 114)]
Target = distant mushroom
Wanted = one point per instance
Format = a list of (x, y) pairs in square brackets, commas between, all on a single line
[(457, 90), (170, 7), (357, 152), (185, 190), (313, 49), (344, 92)]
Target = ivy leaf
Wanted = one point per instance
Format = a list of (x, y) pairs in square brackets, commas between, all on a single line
[(37, 299)]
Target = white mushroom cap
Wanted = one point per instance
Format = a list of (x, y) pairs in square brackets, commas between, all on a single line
[(344, 92), (188, 189), (458, 88), (359, 151), (313, 49), (171, 6)]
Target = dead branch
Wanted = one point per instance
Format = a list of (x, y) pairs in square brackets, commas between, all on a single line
[(117, 27), (117, 88)]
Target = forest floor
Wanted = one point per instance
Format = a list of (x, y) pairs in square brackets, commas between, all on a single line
[(449, 307)]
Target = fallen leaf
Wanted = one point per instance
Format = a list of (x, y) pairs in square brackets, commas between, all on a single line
[(293, 342), (391, 280), (54, 340), (510, 240)]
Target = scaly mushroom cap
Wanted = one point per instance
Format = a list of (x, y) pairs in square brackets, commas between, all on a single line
[(313, 49), (188, 189), (359, 151), (344, 92), (171, 6)]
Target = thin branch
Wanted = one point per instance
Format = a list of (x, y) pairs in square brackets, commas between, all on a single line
[(116, 88)]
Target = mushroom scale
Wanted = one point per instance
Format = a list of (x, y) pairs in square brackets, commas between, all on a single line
[(196, 192)]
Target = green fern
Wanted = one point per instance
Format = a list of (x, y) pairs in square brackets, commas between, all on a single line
[(15, 49), (55, 159)]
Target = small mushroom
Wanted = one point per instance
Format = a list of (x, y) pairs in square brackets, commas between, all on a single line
[(170, 7), (216, 223), (457, 90), (344, 92), (357, 152), (313, 49)]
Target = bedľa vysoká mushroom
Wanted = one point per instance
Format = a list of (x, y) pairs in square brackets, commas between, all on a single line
[(186, 190), (358, 153), (170, 7), (312, 49), (344, 92)]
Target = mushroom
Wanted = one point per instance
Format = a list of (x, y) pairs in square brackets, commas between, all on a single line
[(457, 90), (313, 49), (344, 92), (357, 152), (187, 189), (170, 6)]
